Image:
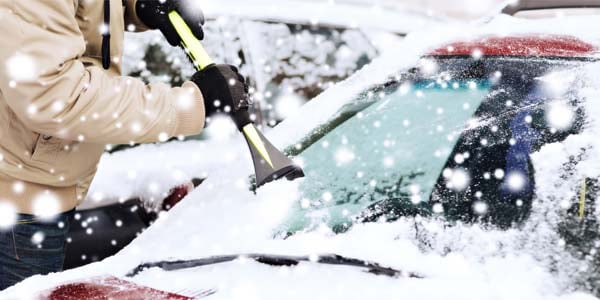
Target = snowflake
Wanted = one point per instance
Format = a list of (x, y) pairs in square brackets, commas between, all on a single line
[(428, 66), (21, 67), (560, 115), (480, 208), (459, 179), (327, 196), (499, 173), (388, 162), (46, 205), (8, 215), (344, 155), (516, 181), (288, 104), (221, 127), (37, 238)]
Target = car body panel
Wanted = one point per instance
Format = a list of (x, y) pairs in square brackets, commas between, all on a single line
[(526, 46)]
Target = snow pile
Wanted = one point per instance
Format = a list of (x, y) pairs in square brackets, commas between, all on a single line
[(559, 182), (150, 171), (222, 217)]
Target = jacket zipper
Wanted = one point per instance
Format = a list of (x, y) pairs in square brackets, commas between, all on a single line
[(106, 36)]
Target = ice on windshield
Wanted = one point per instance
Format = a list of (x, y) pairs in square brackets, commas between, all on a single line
[(394, 149)]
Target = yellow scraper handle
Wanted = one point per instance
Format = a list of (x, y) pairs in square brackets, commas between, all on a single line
[(190, 42), (201, 60), (269, 162)]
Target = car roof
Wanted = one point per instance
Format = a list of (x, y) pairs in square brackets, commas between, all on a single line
[(521, 46)]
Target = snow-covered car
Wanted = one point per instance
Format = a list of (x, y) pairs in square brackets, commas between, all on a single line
[(444, 170)]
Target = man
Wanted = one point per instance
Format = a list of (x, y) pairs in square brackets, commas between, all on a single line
[(62, 98)]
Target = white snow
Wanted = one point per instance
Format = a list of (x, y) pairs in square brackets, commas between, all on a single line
[(8, 215), (332, 13), (223, 217)]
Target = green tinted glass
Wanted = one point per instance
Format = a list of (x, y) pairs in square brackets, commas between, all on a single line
[(393, 149)]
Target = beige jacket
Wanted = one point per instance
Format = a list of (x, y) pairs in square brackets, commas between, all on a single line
[(59, 107)]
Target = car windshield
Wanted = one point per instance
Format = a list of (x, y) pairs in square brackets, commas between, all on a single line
[(393, 142), (372, 156)]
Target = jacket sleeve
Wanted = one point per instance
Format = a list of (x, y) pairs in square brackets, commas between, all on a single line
[(52, 92), (131, 18)]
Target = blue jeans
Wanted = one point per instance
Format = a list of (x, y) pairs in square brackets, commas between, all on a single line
[(32, 247)]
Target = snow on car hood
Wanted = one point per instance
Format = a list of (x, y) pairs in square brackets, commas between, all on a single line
[(223, 217)]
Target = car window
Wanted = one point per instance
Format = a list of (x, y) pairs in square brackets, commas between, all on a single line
[(518, 118), (394, 148), (403, 147)]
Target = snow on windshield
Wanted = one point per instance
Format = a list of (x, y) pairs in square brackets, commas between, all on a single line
[(460, 262), (394, 149)]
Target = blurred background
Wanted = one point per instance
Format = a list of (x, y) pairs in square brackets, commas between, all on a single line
[(291, 56)]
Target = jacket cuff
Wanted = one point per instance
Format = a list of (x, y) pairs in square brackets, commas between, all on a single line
[(131, 17), (189, 110)]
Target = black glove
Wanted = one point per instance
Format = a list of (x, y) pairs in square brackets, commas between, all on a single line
[(154, 14), (224, 90)]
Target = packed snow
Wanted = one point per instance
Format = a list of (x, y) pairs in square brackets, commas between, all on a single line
[(222, 217)]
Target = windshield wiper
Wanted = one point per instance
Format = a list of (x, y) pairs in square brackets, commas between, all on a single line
[(277, 261)]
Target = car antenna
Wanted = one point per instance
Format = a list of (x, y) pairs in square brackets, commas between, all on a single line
[(269, 163)]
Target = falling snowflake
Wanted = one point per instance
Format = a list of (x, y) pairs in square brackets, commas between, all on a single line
[(46, 206), (21, 67), (221, 127), (499, 173), (8, 215), (288, 104), (480, 208), (18, 187), (477, 54), (559, 115), (185, 100), (37, 238), (388, 162), (515, 181), (344, 155), (428, 66), (327, 196), (457, 179)]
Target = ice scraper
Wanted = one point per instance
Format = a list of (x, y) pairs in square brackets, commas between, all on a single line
[(269, 163)]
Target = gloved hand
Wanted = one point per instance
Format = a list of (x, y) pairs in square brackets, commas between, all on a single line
[(224, 90), (154, 14)]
